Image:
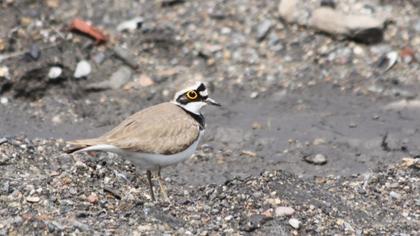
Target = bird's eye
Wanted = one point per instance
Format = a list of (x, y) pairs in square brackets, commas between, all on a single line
[(192, 95)]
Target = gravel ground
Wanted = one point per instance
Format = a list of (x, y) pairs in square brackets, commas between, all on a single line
[(314, 129), (44, 190)]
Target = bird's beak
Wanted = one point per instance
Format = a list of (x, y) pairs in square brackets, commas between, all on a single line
[(212, 102)]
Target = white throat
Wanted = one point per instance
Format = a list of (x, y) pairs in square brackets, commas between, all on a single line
[(193, 107)]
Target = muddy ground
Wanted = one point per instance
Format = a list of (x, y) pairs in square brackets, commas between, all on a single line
[(287, 96)]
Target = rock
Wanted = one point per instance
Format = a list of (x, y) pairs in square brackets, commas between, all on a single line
[(34, 52), (318, 159), (395, 195), (4, 72), (284, 211), (407, 55), (126, 56), (263, 29), (116, 81), (145, 81), (3, 140), (92, 198), (4, 100), (130, 25), (83, 69), (55, 72), (288, 10), (295, 223), (361, 28), (33, 199), (99, 58)]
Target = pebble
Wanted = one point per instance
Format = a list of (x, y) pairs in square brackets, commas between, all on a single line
[(4, 100), (83, 69), (3, 140), (55, 72), (284, 211), (295, 223), (126, 56), (394, 195), (130, 25), (34, 52), (318, 159), (4, 72), (145, 81), (92, 198), (120, 77), (33, 199), (263, 29)]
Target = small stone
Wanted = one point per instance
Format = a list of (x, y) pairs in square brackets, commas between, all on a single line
[(55, 72), (407, 55), (228, 218), (34, 52), (92, 198), (295, 223), (4, 100), (253, 95), (99, 58), (56, 119), (358, 50), (118, 79), (395, 195), (126, 56), (352, 125), (3, 140), (4, 72), (263, 29), (284, 211), (52, 3), (145, 81), (318, 159), (248, 153), (83, 69), (130, 25), (33, 199), (319, 141)]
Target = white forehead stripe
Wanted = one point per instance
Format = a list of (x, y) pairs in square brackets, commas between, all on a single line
[(193, 87), (204, 93)]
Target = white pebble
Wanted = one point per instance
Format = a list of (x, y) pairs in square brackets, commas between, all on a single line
[(130, 25), (4, 72), (55, 72), (295, 223), (83, 69), (4, 100), (284, 211), (32, 199)]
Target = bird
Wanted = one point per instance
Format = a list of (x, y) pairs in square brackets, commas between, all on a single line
[(156, 137)]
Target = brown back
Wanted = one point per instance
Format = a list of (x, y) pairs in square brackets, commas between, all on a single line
[(164, 129)]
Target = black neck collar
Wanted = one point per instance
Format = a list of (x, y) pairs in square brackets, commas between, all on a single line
[(197, 117)]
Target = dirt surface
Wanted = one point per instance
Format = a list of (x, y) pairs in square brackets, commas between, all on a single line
[(289, 94)]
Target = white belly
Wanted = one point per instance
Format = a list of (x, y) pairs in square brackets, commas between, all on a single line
[(148, 161)]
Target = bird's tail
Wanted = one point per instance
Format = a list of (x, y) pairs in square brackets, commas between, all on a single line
[(78, 145)]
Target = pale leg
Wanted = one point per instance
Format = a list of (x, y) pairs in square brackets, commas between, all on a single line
[(162, 186)]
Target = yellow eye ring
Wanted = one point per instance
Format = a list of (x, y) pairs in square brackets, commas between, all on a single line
[(192, 95)]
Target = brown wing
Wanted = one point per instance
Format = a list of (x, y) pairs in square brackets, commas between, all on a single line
[(164, 128)]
